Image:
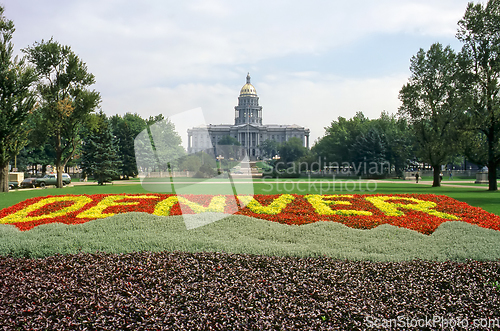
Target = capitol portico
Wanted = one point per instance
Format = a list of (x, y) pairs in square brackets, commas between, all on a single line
[(247, 129)]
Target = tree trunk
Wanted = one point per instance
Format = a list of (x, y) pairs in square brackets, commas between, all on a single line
[(437, 179), (4, 178), (492, 177), (59, 171), (59, 166)]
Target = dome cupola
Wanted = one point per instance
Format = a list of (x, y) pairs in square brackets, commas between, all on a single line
[(248, 110), (248, 89)]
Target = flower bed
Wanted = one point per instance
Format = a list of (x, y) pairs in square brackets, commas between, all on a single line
[(422, 213)]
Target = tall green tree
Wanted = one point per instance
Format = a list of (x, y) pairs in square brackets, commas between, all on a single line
[(126, 129), (292, 150), (269, 148), (17, 100), (431, 105), (398, 141), (479, 31), (100, 153), (229, 148), (336, 145), (370, 148), (32, 155), (65, 98), (159, 146), (385, 142), (166, 143)]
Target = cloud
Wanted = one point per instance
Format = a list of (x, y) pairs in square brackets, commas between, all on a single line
[(155, 39), (153, 57), (308, 99), (314, 100)]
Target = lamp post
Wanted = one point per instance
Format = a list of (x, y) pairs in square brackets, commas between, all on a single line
[(248, 136), (219, 163)]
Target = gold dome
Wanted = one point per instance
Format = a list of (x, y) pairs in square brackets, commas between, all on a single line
[(248, 88)]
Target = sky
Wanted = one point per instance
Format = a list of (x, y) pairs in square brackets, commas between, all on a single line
[(310, 61)]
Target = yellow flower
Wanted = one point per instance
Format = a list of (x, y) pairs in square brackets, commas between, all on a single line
[(216, 205), (109, 201), (391, 209), (322, 206), (163, 207), (22, 215), (273, 208)]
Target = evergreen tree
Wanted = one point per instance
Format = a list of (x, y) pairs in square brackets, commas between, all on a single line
[(99, 155), (126, 129)]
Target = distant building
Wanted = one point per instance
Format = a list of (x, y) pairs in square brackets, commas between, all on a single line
[(247, 129)]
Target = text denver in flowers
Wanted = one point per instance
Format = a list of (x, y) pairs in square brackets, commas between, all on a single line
[(419, 212)]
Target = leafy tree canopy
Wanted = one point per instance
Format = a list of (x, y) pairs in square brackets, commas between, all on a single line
[(17, 101), (65, 98)]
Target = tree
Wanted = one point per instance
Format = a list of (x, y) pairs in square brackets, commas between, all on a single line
[(398, 140), (201, 163), (336, 145), (191, 162), (33, 155), (17, 100), (167, 144), (158, 147), (228, 140), (269, 148), (431, 104), (99, 153), (479, 31), (229, 148), (125, 129), (292, 150), (66, 101), (370, 148)]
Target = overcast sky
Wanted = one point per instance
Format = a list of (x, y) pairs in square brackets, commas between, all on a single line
[(310, 61)]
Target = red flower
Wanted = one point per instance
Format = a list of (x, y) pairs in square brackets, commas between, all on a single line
[(420, 212)]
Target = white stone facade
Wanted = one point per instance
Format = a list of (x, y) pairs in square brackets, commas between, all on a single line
[(247, 129)]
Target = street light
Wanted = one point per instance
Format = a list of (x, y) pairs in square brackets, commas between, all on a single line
[(219, 163)]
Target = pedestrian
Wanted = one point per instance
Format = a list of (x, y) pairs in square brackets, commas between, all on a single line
[(440, 177), (451, 175), (417, 176)]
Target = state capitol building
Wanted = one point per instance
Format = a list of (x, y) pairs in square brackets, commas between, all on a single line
[(247, 129)]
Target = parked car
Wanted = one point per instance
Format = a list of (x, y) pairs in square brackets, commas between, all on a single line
[(28, 182), (51, 179), (13, 185)]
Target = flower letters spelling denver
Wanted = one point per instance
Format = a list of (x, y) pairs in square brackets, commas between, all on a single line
[(422, 213)]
